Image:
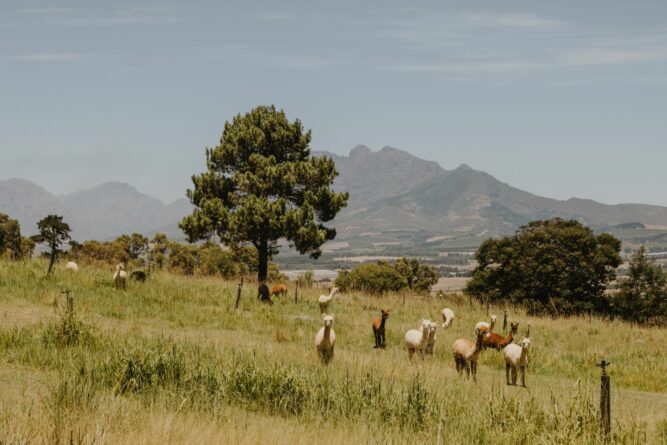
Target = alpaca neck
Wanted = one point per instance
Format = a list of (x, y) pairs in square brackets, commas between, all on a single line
[(327, 331), (524, 354), (382, 320)]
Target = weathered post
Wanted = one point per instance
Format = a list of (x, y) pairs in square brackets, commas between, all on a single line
[(528, 331), (605, 402), (504, 320), (296, 292), (238, 293), (69, 308)]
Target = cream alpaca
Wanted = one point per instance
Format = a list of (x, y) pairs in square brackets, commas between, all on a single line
[(72, 266), (415, 340), (430, 341), (516, 357), (447, 318), (466, 354), (485, 327), (324, 300), (120, 276), (325, 340)]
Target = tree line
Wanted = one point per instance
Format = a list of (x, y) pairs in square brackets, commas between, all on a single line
[(560, 267)]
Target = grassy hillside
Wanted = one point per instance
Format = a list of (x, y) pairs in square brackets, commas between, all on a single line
[(171, 361)]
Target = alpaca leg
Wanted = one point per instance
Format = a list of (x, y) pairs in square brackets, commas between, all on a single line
[(473, 369), (377, 340), (514, 372), (410, 353), (523, 376), (467, 365), (382, 340), (507, 372)]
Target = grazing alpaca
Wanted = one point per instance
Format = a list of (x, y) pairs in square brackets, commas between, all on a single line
[(466, 354), (430, 341), (415, 340), (138, 275), (325, 340), (72, 266), (485, 327), (324, 300), (497, 341), (120, 276), (378, 328), (447, 318), (516, 357), (279, 289)]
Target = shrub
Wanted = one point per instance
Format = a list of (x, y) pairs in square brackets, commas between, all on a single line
[(376, 278)]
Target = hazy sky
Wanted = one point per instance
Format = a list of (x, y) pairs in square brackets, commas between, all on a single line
[(560, 98)]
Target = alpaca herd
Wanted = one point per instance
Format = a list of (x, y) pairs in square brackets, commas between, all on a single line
[(422, 341)]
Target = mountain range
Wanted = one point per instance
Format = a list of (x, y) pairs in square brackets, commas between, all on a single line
[(399, 204)]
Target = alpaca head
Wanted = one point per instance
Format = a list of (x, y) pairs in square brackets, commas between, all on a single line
[(480, 339), (432, 326), (425, 325), (525, 343), (385, 314), (328, 320), (120, 266), (514, 328), (334, 290), (493, 319)]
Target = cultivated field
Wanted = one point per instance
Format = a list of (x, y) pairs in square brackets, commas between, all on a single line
[(171, 361)]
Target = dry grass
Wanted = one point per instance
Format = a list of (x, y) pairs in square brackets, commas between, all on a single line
[(205, 373)]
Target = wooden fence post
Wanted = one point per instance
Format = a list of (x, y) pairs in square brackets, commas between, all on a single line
[(296, 292), (528, 331), (238, 293), (504, 320), (605, 402)]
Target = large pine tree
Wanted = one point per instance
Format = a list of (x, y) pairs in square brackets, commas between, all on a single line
[(262, 184)]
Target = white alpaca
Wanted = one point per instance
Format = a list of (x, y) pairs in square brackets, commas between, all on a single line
[(325, 340), (516, 357), (72, 266), (447, 318), (324, 300), (466, 354), (485, 327), (120, 276), (415, 340), (430, 341)]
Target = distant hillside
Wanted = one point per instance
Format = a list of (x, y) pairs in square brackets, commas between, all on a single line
[(101, 212), (399, 205)]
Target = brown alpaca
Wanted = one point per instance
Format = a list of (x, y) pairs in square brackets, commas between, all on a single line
[(497, 341), (466, 354), (279, 289), (378, 329)]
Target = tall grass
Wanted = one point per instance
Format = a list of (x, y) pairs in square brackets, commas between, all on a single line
[(176, 348)]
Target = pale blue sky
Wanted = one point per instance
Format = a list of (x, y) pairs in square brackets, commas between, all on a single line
[(560, 98)]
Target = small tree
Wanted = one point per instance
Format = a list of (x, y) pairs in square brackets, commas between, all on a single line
[(53, 232), (263, 184), (420, 277), (157, 251), (643, 294)]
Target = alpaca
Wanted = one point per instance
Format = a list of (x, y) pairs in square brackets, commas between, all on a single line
[(72, 266), (497, 341), (430, 341), (324, 300), (120, 276), (466, 354), (415, 340), (279, 289), (447, 318), (485, 327), (325, 340), (378, 329), (138, 275), (516, 357)]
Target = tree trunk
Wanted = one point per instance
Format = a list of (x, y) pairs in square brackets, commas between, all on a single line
[(262, 271), (51, 262)]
